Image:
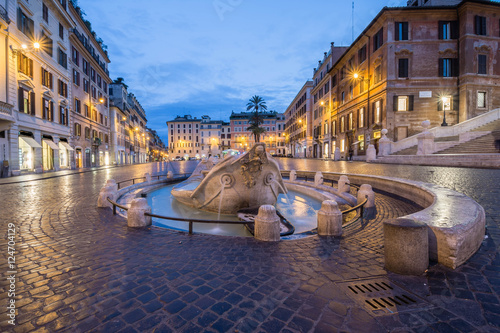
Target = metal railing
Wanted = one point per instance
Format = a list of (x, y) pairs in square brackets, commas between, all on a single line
[(4, 15), (181, 176), (359, 206)]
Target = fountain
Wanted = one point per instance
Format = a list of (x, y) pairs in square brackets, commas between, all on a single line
[(250, 180)]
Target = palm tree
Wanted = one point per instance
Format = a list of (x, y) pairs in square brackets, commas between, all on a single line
[(256, 103)]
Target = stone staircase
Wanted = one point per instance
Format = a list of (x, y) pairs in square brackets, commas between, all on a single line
[(484, 144)]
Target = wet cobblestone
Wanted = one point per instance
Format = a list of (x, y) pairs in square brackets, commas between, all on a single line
[(81, 269)]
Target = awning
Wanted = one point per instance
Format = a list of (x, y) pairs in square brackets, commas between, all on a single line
[(66, 145), (30, 142), (51, 144)]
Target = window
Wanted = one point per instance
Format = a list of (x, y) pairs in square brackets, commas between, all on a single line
[(87, 133), (47, 109), (480, 25), (92, 73), (350, 122), (26, 101), (350, 92), (85, 64), (61, 31), (403, 67), (481, 64), (401, 30), (377, 112), (481, 99), (63, 3), (448, 29), (63, 116), (334, 80), (24, 64), (62, 58), (94, 92), (86, 109), (86, 85), (362, 54), (46, 44), (101, 118), (63, 89), (25, 24), (47, 79), (361, 117), (448, 67), (78, 129), (378, 39), (99, 81), (342, 97), (76, 77), (342, 124), (45, 13), (378, 74), (446, 103), (78, 106), (403, 103), (75, 56)]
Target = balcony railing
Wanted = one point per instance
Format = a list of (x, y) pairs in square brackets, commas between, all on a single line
[(4, 15), (6, 108), (91, 49)]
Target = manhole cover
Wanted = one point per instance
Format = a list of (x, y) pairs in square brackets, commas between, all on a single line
[(381, 296)]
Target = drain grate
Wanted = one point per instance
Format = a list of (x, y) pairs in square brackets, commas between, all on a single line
[(381, 296)]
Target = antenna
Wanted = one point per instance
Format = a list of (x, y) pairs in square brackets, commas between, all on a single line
[(352, 21)]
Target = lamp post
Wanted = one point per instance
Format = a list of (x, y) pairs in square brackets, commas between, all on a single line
[(444, 123)]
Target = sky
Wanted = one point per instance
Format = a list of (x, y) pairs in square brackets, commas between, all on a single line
[(209, 57)]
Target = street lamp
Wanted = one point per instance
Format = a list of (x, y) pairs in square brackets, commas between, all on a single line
[(444, 100)]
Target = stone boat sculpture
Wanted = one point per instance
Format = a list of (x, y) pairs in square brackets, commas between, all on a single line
[(250, 180)]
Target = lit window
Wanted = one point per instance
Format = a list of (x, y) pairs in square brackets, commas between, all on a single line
[(402, 103), (446, 103), (377, 112)]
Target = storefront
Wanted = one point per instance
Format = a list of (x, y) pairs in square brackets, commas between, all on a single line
[(78, 158), (48, 151), (64, 153), (27, 147)]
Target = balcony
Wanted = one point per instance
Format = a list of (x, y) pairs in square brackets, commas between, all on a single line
[(6, 117), (4, 16)]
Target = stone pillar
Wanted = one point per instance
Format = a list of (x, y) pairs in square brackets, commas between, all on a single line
[(406, 246), (13, 158), (384, 144), (336, 155), (148, 177), (329, 219), (293, 175), (38, 157), (57, 161), (135, 213), (318, 178), (370, 210), (110, 190), (344, 184), (267, 224), (425, 140), (371, 153)]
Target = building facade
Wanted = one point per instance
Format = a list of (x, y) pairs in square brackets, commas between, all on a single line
[(90, 118), (298, 123), (210, 137), (242, 139), (129, 136), (414, 63), (36, 92), (184, 137)]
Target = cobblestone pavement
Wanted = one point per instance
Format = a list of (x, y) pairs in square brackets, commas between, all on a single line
[(80, 269)]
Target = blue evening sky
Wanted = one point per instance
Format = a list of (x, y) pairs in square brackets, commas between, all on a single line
[(210, 56)]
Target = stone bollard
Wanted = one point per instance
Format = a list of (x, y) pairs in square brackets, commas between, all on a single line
[(371, 153), (318, 178), (370, 210), (384, 144), (170, 174), (267, 224), (110, 190), (336, 154), (329, 219), (148, 177), (293, 175), (344, 184), (425, 139), (406, 246), (135, 214)]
